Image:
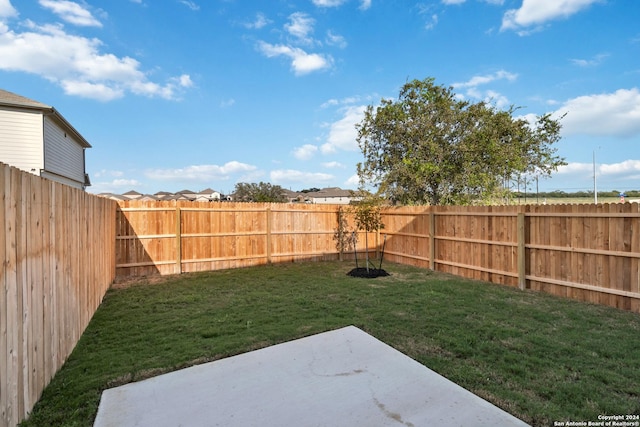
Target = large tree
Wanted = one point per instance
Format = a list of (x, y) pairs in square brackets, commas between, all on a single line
[(262, 192), (429, 146)]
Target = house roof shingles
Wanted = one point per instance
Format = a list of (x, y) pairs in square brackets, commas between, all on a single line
[(14, 100)]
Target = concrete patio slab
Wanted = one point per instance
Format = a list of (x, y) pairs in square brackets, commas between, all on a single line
[(338, 378)]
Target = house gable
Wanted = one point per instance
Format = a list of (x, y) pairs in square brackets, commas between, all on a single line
[(21, 136), (36, 138)]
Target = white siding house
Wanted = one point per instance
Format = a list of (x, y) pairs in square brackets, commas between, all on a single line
[(36, 138), (332, 195)]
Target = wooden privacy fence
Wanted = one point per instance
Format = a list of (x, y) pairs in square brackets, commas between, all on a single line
[(585, 252), (177, 237), (57, 246), (60, 258)]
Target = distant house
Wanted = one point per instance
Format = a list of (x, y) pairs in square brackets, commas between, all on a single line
[(163, 194), (292, 196), (179, 197), (34, 137), (132, 195), (185, 195), (112, 196), (208, 195), (331, 195)]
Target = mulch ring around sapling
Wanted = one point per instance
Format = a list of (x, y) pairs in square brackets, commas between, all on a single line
[(368, 274)]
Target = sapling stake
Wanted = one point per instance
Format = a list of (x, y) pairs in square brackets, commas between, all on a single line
[(355, 249), (384, 242)]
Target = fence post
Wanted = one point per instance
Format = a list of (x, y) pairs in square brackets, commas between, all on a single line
[(522, 260), (432, 240), (178, 240), (268, 234), (340, 232)]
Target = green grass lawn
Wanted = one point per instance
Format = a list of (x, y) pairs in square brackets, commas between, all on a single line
[(541, 358)]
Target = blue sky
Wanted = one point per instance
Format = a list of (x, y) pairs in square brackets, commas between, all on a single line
[(190, 94)]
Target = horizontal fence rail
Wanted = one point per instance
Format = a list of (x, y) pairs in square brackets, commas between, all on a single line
[(179, 237), (58, 257), (586, 252)]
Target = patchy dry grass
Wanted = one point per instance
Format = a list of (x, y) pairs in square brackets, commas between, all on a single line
[(539, 357)]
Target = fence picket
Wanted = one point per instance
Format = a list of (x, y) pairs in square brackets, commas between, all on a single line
[(54, 242)]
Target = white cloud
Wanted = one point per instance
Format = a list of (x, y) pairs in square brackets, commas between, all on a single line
[(537, 12), (328, 3), (432, 18), (183, 81), (7, 10), (89, 90), (489, 96), (365, 4), (116, 185), (305, 152), (77, 65), (330, 103), (108, 173), (300, 26), (191, 5), (488, 78), (353, 181), (608, 175), (575, 168), (200, 173), (71, 12), (344, 101), (625, 167), (301, 61), (261, 21), (333, 165), (285, 176), (336, 40), (579, 176), (530, 118), (595, 61), (343, 133), (611, 114), (227, 103), (432, 22), (497, 99), (124, 183), (454, 2)]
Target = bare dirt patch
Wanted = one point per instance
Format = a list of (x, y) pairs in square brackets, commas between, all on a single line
[(128, 282)]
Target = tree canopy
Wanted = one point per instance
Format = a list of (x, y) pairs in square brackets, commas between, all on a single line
[(431, 147), (262, 192)]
